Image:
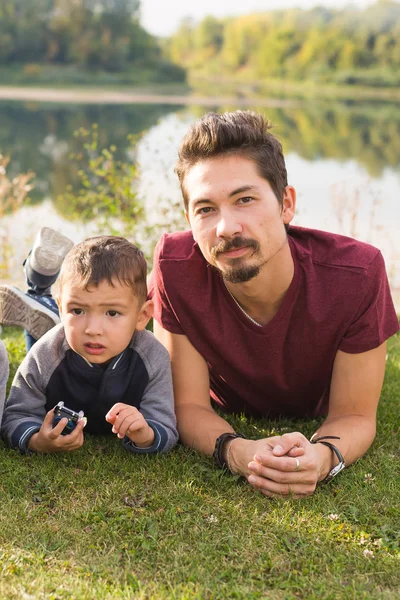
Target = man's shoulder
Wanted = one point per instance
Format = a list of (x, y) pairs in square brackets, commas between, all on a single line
[(151, 351), (333, 250), (177, 246)]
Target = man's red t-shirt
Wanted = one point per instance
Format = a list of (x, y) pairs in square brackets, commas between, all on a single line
[(339, 299)]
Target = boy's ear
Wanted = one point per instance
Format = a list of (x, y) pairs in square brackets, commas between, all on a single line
[(58, 300), (145, 314)]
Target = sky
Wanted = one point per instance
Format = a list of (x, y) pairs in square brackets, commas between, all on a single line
[(162, 17)]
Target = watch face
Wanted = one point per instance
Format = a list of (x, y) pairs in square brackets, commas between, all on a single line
[(335, 471)]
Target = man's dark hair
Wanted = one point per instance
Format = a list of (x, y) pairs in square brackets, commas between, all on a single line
[(243, 133), (106, 258)]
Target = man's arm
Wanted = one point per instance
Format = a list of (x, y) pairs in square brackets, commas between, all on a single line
[(198, 424), (354, 395), (356, 386)]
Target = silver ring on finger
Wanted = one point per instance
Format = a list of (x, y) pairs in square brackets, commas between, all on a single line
[(297, 464)]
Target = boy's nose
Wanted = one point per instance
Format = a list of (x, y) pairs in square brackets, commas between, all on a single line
[(94, 326)]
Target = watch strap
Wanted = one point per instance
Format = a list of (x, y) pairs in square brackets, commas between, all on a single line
[(341, 465), (218, 455)]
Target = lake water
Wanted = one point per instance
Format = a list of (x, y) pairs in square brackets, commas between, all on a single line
[(343, 159)]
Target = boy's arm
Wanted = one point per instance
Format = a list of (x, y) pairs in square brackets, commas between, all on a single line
[(157, 405), (25, 407)]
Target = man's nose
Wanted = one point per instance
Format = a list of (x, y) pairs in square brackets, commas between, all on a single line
[(228, 225)]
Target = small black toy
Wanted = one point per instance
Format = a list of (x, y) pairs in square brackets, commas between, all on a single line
[(61, 411)]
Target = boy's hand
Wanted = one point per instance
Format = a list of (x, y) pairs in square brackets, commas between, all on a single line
[(127, 420), (49, 438)]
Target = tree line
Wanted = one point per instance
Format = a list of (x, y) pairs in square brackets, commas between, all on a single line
[(350, 46), (90, 34)]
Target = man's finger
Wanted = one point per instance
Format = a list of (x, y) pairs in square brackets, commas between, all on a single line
[(263, 484), (278, 463), (294, 475), (286, 442), (296, 452), (272, 488)]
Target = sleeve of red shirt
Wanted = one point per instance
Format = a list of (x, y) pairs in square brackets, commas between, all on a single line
[(375, 320), (163, 311)]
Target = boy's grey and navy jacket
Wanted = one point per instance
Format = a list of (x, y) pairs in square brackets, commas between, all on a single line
[(51, 371)]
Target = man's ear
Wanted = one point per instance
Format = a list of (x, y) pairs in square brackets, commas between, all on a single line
[(145, 314), (187, 216), (289, 204)]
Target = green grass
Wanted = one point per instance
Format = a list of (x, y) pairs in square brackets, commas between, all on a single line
[(101, 523)]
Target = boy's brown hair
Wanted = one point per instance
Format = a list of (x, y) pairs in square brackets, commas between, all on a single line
[(243, 133), (104, 258)]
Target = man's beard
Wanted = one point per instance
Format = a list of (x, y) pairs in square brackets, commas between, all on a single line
[(239, 273)]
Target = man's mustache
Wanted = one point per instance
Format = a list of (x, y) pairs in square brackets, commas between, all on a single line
[(233, 244)]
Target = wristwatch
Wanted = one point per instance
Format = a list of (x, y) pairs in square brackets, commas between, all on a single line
[(218, 454), (341, 465)]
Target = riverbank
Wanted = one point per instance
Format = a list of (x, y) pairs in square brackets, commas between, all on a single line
[(244, 86), (103, 96)]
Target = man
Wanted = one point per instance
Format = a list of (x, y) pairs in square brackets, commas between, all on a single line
[(268, 319)]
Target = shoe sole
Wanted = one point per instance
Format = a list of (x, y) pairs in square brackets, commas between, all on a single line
[(16, 308), (49, 251)]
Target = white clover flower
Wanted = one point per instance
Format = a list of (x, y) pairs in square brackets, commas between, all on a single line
[(212, 519), (368, 553)]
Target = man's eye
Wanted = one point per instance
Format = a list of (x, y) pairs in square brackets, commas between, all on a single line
[(245, 200), (77, 311), (113, 313), (205, 210)]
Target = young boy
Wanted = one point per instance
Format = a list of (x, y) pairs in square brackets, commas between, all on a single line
[(100, 360)]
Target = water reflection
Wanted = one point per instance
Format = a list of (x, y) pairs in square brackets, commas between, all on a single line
[(39, 136), (343, 160)]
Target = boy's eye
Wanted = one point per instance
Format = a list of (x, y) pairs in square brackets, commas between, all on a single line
[(245, 200), (112, 313), (77, 311)]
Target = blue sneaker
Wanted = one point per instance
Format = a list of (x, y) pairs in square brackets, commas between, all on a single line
[(45, 259), (37, 314)]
